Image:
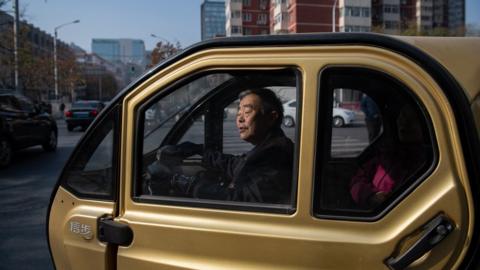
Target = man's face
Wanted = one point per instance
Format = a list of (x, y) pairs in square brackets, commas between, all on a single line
[(252, 125)]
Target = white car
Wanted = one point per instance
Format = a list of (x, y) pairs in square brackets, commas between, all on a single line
[(341, 117)]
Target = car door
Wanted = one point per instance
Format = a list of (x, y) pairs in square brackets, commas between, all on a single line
[(35, 129), (15, 119), (423, 220), (86, 193)]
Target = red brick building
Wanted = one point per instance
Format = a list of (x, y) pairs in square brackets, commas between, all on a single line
[(308, 16), (247, 17)]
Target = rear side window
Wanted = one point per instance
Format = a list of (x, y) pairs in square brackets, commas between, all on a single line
[(91, 172), (379, 145)]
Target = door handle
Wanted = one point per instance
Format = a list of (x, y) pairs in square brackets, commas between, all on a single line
[(114, 232), (434, 232)]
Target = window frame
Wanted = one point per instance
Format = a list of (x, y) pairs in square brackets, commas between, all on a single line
[(323, 145), (204, 203)]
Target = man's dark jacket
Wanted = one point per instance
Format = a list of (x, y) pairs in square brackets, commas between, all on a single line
[(264, 174)]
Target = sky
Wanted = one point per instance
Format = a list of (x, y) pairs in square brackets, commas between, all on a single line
[(172, 20)]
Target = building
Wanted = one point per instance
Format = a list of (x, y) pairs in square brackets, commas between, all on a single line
[(456, 17), (247, 17), (279, 17), (386, 16), (441, 17), (355, 15), (212, 19), (35, 60), (127, 51), (308, 16)]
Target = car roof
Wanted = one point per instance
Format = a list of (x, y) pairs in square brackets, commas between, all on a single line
[(453, 53), (426, 52)]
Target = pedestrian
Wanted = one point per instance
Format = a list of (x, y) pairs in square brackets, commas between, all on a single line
[(372, 116), (62, 108)]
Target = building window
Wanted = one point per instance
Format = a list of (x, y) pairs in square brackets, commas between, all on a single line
[(247, 17), (426, 18), (281, 17), (262, 18), (236, 29), (365, 12), (236, 14), (263, 4), (355, 11), (352, 11), (247, 31), (391, 9), (391, 25), (247, 3)]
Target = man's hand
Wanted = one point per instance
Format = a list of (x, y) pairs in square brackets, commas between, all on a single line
[(159, 170), (188, 149)]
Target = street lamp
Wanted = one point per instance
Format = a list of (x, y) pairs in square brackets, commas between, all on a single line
[(333, 16), (159, 37), (55, 69)]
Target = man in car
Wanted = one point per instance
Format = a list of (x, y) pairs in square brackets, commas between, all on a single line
[(263, 174)]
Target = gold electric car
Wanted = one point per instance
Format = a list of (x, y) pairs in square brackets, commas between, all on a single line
[(397, 188)]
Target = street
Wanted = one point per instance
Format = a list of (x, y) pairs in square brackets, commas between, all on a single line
[(25, 189), (26, 185)]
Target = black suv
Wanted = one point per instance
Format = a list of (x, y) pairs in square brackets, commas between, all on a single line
[(24, 124)]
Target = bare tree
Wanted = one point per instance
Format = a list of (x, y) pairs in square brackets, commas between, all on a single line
[(163, 51)]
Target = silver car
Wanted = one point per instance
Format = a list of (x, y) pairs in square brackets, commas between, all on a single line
[(341, 117)]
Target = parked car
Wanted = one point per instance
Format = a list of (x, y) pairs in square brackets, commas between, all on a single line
[(107, 209), (82, 113), (23, 124), (341, 117)]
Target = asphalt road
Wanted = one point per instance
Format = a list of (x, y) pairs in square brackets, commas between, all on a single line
[(25, 189)]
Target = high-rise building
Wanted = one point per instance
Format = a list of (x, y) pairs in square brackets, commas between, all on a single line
[(399, 16), (279, 17), (386, 16), (355, 15), (247, 17), (212, 19), (307, 16), (127, 51), (456, 17)]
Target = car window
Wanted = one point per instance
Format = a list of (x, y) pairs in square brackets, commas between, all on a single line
[(195, 150), (354, 125), (94, 105), (91, 171), (385, 149), (25, 104), (233, 144), (8, 103)]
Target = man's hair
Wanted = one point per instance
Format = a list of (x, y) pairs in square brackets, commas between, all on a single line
[(270, 102)]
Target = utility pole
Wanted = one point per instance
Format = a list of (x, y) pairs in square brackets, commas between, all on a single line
[(16, 29), (334, 21)]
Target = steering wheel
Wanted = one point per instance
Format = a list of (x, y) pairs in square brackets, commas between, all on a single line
[(169, 173)]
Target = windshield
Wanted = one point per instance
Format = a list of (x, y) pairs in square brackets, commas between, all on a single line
[(85, 105)]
